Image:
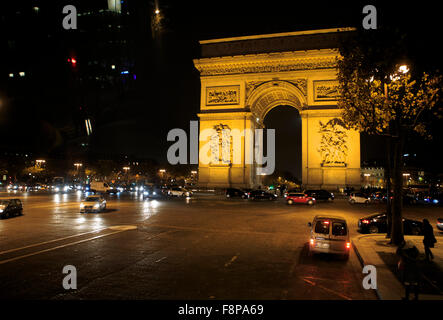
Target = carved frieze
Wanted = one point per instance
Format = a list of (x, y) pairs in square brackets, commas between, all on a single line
[(210, 68), (333, 144)]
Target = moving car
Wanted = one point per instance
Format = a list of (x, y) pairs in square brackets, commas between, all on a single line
[(378, 223), (179, 192), (261, 194), (320, 195), (358, 197), (291, 191), (329, 234), (233, 192), (440, 224), (93, 204), (10, 207), (152, 192), (292, 198)]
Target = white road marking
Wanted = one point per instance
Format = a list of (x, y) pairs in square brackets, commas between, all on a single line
[(227, 264), (161, 259), (50, 241), (62, 246)]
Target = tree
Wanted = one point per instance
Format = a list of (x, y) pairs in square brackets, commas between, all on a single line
[(381, 98)]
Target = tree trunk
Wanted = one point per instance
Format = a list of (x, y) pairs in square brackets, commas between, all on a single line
[(388, 187), (397, 221)]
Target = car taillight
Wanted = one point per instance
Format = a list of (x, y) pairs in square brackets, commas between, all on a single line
[(348, 245), (365, 221), (306, 195)]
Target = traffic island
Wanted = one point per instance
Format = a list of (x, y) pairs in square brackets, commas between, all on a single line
[(377, 251)]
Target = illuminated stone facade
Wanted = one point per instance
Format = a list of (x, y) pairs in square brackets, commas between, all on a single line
[(238, 90)]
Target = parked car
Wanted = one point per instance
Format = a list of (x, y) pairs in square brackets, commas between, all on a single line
[(358, 197), (378, 196), (440, 224), (329, 234), (93, 204), (233, 193), (378, 223), (292, 198), (322, 195), (261, 194), (10, 207), (179, 192)]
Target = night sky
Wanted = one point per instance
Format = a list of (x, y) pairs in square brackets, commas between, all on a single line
[(168, 87)]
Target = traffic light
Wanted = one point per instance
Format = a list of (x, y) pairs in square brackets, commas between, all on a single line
[(73, 62)]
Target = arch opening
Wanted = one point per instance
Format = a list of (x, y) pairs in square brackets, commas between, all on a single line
[(286, 121)]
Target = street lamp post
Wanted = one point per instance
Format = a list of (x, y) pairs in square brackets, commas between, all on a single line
[(126, 170)]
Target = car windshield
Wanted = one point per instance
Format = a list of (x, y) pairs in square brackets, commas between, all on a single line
[(339, 229), (91, 199), (322, 226)]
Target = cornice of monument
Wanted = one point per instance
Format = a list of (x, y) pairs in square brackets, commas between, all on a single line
[(268, 62)]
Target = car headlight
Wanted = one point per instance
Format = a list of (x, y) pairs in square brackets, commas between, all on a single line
[(57, 189), (96, 206), (146, 193), (82, 205)]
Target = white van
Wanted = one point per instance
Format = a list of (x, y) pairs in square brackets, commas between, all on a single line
[(99, 186), (329, 234)]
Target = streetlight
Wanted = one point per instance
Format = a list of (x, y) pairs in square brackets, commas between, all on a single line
[(77, 165)]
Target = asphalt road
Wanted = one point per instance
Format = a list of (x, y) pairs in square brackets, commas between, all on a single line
[(204, 248)]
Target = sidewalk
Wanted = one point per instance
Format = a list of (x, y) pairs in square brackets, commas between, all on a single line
[(373, 249)]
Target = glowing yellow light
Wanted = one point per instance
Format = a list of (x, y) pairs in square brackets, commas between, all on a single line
[(403, 69)]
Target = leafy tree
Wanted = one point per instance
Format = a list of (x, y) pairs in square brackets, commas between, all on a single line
[(381, 98)]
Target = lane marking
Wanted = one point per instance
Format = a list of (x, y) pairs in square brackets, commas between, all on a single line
[(161, 259), (61, 246), (50, 241), (227, 264), (327, 289)]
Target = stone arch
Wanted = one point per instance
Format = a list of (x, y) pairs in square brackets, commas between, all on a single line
[(271, 94)]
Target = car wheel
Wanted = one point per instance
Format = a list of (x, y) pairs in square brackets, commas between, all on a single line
[(373, 229), (367, 202), (271, 198), (352, 201), (290, 202), (329, 199)]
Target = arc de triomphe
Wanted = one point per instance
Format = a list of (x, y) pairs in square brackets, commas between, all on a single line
[(243, 78)]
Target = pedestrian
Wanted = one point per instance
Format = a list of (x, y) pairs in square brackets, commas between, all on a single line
[(408, 267), (428, 239)]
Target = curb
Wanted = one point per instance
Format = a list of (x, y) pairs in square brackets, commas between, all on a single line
[(362, 262)]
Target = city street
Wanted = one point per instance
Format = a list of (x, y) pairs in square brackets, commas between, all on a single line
[(206, 247)]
